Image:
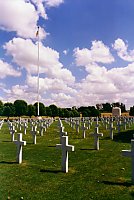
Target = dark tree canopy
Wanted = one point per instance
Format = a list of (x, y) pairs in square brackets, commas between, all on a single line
[(20, 107), (31, 110), (54, 110)]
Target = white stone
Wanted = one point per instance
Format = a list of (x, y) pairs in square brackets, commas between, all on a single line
[(96, 136), (130, 153), (65, 148), (34, 132), (62, 133), (19, 142), (116, 111), (77, 126), (12, 132), (25, 128), (111, 128), (84, 128)]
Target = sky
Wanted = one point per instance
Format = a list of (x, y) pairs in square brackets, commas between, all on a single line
[(86, 51)]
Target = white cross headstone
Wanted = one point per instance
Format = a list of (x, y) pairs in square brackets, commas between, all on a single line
[(111, 128), (77, 126), (119, 125), (65, 148), (125, 123), (130, 153), (89, 123), (96, 135), (19, 142), (12, 132), (34, 132), (84, 128), (25, 128)]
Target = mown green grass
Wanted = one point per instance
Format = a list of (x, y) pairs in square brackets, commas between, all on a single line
[(103, 174)]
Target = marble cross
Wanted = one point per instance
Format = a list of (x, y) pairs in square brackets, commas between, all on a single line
[(62, 133), (34, 132), (84, 128), (65, 148), (19, 142), (12, 132), (96, 136), (111, 128)]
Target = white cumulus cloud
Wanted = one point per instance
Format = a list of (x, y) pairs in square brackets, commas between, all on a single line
[(98, 53), (7, 70), (122, 50)]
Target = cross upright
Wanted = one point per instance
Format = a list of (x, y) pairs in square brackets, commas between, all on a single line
[(89, 123), (19, 142), (65, 148), (77, 126), (34, 132), (62, 133), (106, 123), (41, 128), (97, 122), (96, 136), (84, 128), (130, 153), (111, 128), (25, 128), (119, 125), (12, 132), (125, 123)]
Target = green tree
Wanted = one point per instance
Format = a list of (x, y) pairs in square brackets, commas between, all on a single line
[(107, 107), (48, 112), (31, 110), (61, 112), (20, 107), (131, 112), (55, 110), (66, 113), (9, 110), (1, 108)]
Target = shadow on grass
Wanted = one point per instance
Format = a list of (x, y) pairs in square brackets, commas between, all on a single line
[(132, 194), (5, 162), (124, 137), (127, 184), (6, 141), (90, 149), (50, 171)]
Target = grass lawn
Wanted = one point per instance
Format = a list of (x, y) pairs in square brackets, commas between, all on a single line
[(98, 175)]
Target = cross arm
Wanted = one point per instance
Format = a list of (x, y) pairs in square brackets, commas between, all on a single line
[(127, 153)]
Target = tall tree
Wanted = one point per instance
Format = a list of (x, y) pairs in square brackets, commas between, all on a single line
[(55, 110), (20, 107), (1, 108), (9, 110), (48, 112), (31, 110), (131, 112), (107, 107)]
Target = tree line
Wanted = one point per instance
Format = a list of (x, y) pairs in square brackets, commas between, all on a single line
[(21, 108)]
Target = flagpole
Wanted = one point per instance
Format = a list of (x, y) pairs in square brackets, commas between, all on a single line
[(38, 74)]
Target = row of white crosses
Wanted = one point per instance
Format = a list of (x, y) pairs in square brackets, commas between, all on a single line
[(19, 142)]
